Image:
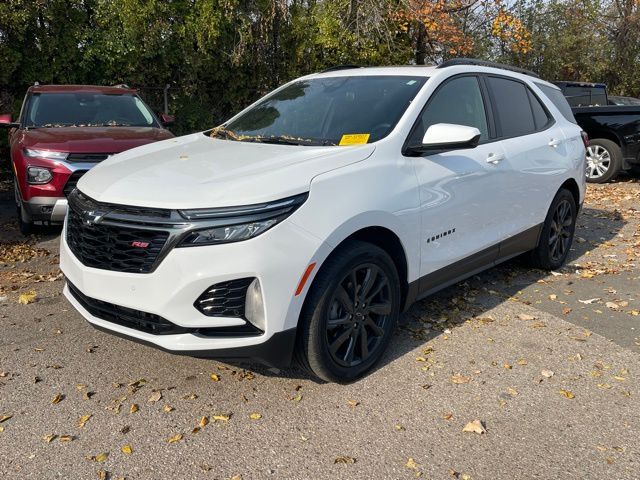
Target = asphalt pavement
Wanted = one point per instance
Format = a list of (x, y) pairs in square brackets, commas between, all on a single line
[(512, 374)]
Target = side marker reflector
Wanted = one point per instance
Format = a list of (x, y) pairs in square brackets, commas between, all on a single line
[(304, 278)]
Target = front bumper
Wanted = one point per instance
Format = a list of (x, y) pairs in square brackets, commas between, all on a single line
[(46, 209), (277, 258)]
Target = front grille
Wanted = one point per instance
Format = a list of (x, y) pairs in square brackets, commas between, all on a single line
[(111, 247), (126, 317), (87, 157), (225, 299), (72, 182)]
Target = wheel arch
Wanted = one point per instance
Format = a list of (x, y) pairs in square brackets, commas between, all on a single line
[(571, 185), (605, 135)]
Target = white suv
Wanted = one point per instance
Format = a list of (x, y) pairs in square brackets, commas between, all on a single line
[(308, 222)]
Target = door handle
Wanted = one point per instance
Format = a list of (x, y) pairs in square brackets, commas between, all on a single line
[(554, 142), (495, 158)]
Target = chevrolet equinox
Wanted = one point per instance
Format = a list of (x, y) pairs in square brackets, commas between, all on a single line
[(303, 226)]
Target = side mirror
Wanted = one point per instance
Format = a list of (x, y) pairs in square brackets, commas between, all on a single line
[(5, 121), (447, 136), (167, 119)]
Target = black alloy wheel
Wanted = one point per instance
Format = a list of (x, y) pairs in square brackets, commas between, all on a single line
[(560, 231), (359, 309), (349, 313), (557, 232)]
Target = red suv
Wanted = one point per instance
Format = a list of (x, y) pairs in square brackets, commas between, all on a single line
[(62, 132)]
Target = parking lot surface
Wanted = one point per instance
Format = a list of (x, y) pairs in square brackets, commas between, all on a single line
[(514, 373)]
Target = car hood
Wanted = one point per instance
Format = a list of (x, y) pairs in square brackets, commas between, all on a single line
[(196, 171), (91, 139)]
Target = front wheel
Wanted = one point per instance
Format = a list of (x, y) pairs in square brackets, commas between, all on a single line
[(350, 313), (557, 233), (24, 219)]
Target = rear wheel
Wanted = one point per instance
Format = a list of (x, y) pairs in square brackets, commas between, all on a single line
[(349, 314), (604, 160), (557, 232)]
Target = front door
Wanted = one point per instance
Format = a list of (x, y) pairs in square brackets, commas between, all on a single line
[(462, 207)]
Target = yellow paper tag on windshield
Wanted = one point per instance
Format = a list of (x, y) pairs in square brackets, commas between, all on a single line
[(354, 139)]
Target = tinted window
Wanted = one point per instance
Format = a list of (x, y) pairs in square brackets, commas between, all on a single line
[(557, 98), (540, 115), (323, 110), (458, 101), (585, 96), (87, 109), (513, 108)]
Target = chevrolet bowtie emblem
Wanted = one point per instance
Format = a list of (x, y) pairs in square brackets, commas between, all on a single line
[(92, 217)]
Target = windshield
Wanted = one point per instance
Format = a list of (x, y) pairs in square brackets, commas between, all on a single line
[(86, 109), (327, 111)]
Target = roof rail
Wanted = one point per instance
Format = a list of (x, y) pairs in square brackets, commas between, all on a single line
[(484, 63), (340, 67)]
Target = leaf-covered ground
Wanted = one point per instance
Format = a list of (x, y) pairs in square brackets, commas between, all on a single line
[(512, 374)]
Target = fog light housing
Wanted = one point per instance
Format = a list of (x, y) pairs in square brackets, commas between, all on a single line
[(254, 305)]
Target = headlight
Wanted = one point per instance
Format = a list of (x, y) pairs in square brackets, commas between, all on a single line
[(38, 175), (47, 154), (234, 224)]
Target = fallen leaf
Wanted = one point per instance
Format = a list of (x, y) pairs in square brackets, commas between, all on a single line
[(176, 438), (448, 416), (255, 416), (474, 427), (567, 394), (221, 417), (512, 391), (589, 301), (83, 420), (522, 362), (134, 408), (547, 373), (412, 464), (215, 377), (204, 421), (50, 438), (27, 297), (344, 460), (127, 449), (4, 418), (612, 305), (353, 403), (460, 379), (526, 316), (101, 457), (57, 399), (553, 296), (66, 438), (168, 408), (155, 396)]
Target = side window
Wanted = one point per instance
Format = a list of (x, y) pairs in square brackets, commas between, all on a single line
[(540, 115), (459, 101), (557, 98), (511, 102)]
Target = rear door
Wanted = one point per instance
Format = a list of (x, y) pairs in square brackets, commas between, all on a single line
[(535, 155)]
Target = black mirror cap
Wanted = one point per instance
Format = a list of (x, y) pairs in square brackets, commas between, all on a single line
[(418, 150)]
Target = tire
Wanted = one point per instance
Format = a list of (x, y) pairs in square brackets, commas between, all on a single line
[(553, 246), (334, 328), (604, 160), (25, 224)]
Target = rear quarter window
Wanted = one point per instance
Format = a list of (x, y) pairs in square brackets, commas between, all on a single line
[(556, 97)]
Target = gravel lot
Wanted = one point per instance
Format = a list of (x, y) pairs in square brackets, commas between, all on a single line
[(547, 364)]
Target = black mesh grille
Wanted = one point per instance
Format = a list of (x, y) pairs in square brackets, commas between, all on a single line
[(87, 157), (110, 247), (225, 299), (73, 181), (127, 317)]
